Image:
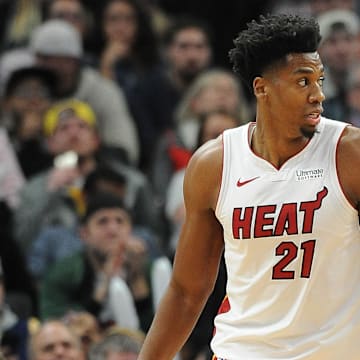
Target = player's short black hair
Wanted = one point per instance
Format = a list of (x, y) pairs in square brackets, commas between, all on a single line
[(268, 40)]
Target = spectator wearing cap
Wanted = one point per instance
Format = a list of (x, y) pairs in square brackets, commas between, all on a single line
[(55, 196), (28, 93), (72, 11), (50, 196), (79, 15), (339, 30), (109, 276), (58, 45)]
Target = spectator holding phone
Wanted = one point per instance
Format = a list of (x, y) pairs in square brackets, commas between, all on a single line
[(56, 196), (50, 196)]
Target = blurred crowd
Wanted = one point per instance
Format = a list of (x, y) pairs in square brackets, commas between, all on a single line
[(102, 105)]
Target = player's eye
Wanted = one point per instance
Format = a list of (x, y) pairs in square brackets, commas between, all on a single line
[(303, 82), (321, 81)]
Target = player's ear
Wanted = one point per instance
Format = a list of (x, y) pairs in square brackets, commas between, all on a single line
[(259, 87)]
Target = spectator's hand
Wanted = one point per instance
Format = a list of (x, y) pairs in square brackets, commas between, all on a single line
[(114, 263), (136, 261), (136, 257), (111, 267), (62, 177), (112, 53)]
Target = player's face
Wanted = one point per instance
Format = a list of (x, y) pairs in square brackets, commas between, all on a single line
[(294, 94)]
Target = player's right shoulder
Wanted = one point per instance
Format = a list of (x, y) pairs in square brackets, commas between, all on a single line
[(209, 154), (204, 171)]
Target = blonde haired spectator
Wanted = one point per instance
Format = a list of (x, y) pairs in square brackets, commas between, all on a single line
[(215, 89)]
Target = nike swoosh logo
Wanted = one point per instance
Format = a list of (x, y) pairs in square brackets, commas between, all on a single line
[(241, 183)]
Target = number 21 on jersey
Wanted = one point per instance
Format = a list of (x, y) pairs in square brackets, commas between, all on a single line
[(289, 252)]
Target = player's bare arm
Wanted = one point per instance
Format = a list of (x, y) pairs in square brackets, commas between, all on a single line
[(197, 257), (348, 163)]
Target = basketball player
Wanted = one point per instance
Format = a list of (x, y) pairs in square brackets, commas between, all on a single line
[(282, 196)]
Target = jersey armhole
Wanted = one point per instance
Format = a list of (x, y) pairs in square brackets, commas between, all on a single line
[(223, 180), (342, 195)]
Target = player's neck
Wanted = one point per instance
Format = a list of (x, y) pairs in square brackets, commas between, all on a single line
[(274, 146)]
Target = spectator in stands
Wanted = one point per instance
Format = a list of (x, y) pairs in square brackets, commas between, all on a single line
[(130, 44), (112, 268), (85, 326), (56, 242), (320, 6), (338, 48), (214, 89), (75, 12), (187, 52), (130, 53), (54, 340), (121, 344), (211, 125), (135, 190), (58, 46), (28, 93), (19, 18), (72, 11), (51, 196), (55, 196), (13, 329), (353, 96)]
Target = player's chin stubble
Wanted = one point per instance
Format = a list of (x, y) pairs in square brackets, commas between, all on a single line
[(308, 133)]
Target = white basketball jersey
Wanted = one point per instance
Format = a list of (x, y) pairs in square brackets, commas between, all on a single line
[(292, 250)]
